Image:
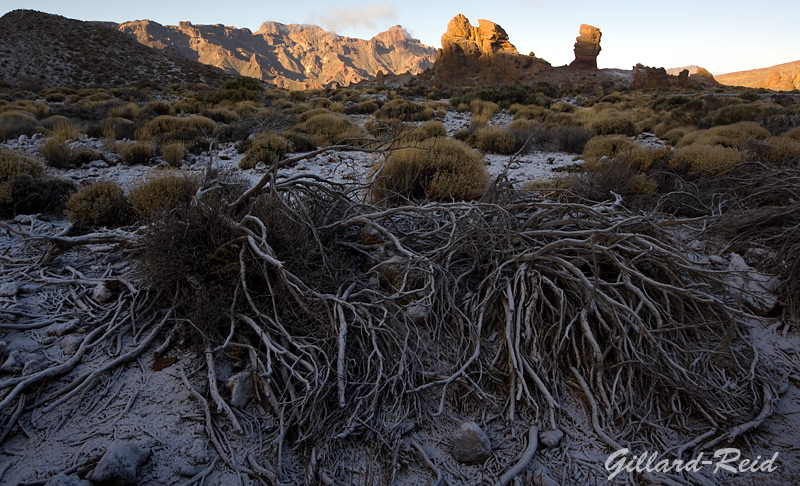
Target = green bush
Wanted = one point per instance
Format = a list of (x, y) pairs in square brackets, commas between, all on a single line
[(99, 204), (439, 169), (162, 193), (268, 148), (167, 128), (404, 110), (330, 129), (136, 153)]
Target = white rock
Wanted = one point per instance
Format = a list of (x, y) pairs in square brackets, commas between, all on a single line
[(102, 294), (119, 464), (9, 289), (471, 445), (99, 164)]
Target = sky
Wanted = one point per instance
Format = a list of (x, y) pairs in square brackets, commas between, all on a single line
[(720, 36)]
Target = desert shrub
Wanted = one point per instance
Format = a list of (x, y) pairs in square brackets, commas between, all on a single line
[(299, 142), (99, 204), (162, 193), (84, 155), (268, 148), (606, 146), (55, 97), (538, 94), (37, 109), (155, 109), (674, 135), (173, 153), (563, 107), (57, 154), (733, 136), (114, 128), (705, 158), (532, 113), (642, 157), (429, 129), (780, 149), (642, 185), (363, 108), (136, 153), (495, 140), (614, 126), (403, 110), (434, 128), (26, 194), (186, 106), (238, 89), (439, 169), (569, 139), (13, 164), (728, 115), (482, 112), (129, 111), (164, 129), (221, 115), (794, 134), (64, 130), (305, 115), (15, 123), (330, 129), (530, 134)]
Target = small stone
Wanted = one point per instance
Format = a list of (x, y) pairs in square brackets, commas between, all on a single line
[(239, 386), (32, 365), (64, 480), (471, 444), (70, 344), (188, 470), (98, 164), (198, 452), (63, 328), (13, 363), (119, 464), (542, 478), (551, 438), (9, 289), (102, 294)]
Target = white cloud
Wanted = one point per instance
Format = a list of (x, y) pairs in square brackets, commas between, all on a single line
[(369, 16)]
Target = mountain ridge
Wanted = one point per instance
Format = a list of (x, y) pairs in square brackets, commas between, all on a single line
[(780, 77), (297, 56)]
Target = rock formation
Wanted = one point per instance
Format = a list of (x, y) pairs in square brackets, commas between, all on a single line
[(645, 77), (587, 47), (484, 53), (291, 56)]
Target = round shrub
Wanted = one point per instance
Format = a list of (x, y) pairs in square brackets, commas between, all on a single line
[(494, 140), (136, 153), (13, 164), (329, 129), (606, 146), (173, 153), (705, 158), (569, 139), (162, 193), (268, 148), (439, 169), (57, 154), (114, 128), (734, 135), (17, 122), (99, 204), (299, 142), (614, 126), (26, 194)]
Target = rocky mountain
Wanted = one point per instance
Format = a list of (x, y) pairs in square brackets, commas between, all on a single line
[(587, 47), (783, 77), (483, 54), (292, 56), (39, 50)]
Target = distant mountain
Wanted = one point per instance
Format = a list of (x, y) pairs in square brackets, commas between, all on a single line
[(292, 56), (783, 77), (39, 50)]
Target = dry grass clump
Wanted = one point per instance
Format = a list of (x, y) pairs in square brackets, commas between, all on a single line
[(23, 189), (482, 112), (367, 107), (185, 106), (734, 135), (14, 123), (13, 164), (299, 141), (793, 133), (65, 130), (174, 153), (617, 125), (531, 112), (162, 193), (57, 154), (136, 153), (404, 110), (166, 128), (606, 146), (268, 148), (156, 108), (439, 169), (710, 159), (429, 129), (728, 115), (780, 149), (115, 128), (642, 157), (332, 129), (129, 111), (674, 135), (495, 140), (99, 204), (221, 115), (569, 139)]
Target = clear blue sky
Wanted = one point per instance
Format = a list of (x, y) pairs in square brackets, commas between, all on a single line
[(721, 36)]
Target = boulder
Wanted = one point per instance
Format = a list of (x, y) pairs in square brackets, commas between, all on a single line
[(471, 445), (587, 47), (119, 464), (645, 77)]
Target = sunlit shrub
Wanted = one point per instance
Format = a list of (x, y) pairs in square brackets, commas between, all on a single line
[(99, 204), (705, 158), (268, 148)]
